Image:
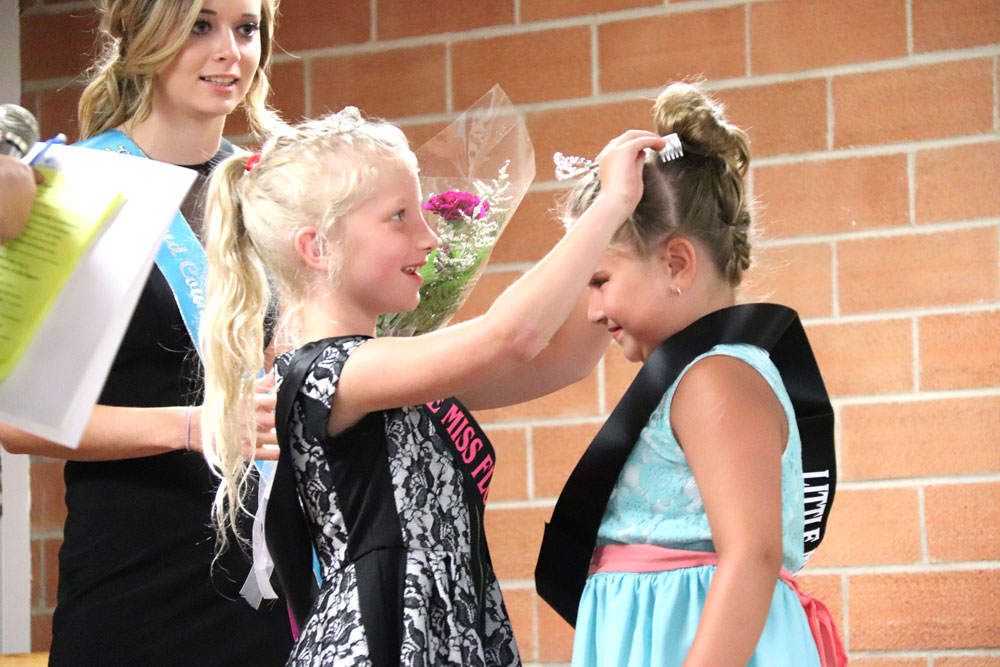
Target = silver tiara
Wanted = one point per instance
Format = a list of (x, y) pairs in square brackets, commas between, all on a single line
[(571, 166)]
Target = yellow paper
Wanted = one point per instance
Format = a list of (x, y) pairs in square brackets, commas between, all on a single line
[(65, 218)]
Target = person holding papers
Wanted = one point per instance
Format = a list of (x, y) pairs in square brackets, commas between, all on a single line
[(138, 580), (17, 191)]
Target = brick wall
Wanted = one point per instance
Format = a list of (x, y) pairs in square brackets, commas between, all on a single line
[(877, 142)]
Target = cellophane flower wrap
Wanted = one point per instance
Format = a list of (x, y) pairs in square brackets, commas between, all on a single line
[(473, 175)]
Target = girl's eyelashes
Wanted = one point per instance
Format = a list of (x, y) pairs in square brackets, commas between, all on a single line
[(597, 282), (398, 215)]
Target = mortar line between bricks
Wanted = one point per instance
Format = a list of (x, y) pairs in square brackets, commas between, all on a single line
[(922, 517), (909, 27), (877, 150), (917, 397), (907, 568), (889, 315), (917, 60), (529, 461), (881, 233), (917, 482)]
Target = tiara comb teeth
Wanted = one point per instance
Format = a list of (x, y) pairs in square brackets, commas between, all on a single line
[(672, 150)]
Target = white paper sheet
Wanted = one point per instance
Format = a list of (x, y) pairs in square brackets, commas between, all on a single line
[(52, 390)]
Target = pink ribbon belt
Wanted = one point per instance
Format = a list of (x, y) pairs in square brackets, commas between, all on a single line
[(651, 558)]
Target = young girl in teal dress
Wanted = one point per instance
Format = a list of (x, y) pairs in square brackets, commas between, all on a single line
[(706, 520)]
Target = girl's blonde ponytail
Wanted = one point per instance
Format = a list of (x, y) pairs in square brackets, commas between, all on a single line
[(232, 340)]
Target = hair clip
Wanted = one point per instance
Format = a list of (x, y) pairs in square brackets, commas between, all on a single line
[(252, 161), (571, 166)]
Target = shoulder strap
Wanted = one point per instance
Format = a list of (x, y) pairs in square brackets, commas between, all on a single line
[(288, 537), (570, 536)]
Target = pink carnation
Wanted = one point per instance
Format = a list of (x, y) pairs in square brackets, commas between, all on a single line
[(457, 205)]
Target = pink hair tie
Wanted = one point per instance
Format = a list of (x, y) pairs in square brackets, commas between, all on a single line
[(252, 161)]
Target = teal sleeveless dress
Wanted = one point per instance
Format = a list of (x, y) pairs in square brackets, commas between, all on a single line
[(629, 619)]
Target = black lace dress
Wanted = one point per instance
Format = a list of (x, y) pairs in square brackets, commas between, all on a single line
[(442, 618)]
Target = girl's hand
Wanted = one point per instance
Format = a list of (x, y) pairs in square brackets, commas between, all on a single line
[(621, 163), (264, 401)]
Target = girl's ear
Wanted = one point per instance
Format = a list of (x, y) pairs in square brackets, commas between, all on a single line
[(311, 247), (679, 261)]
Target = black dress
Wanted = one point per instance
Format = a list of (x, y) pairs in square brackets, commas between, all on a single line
[(136, 580), (414, 584)]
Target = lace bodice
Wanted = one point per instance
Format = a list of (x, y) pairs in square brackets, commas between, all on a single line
[(656, 499)]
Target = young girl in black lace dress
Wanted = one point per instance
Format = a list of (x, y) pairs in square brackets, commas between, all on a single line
[(391, 473)]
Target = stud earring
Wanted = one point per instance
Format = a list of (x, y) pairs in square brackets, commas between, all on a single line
[(678, 290)]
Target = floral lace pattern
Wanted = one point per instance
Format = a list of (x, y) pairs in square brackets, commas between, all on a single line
[(442, 622)]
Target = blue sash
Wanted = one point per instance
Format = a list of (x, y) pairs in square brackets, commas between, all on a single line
[(181, 259)]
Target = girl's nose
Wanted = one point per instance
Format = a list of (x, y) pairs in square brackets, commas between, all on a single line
[(428, 240), (595, 311)]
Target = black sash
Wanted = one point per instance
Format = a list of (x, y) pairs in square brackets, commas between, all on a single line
[(475, 458), (359, 465), (286, 533), (569, 538)]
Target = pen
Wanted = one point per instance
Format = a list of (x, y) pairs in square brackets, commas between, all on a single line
[(30, 158)]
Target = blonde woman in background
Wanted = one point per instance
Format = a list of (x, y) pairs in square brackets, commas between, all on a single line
[(137, 581)]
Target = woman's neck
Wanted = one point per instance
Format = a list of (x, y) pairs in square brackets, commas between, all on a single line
[(176, 140)]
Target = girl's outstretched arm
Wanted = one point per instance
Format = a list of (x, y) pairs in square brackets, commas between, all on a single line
[(733, 431), (392, 372), (571, 354)]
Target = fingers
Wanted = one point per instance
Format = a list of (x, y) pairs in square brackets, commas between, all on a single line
[(264, 383), (265, 401), (264, 405), (266, 454), (633, 140), (621, 164)]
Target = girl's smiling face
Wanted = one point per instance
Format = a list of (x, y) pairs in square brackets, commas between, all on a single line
[(629, 295), (386, 242), (213, 70)]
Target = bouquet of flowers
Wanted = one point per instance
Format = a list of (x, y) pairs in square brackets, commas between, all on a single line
[(473, 174)]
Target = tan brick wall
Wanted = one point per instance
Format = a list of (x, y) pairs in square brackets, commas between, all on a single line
[(877, 141)]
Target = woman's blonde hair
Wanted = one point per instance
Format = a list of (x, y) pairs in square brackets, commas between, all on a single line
[(309, 175), (138, 38), (701, 195)]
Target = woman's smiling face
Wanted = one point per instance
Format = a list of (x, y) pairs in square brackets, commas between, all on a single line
[(212, 72)]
